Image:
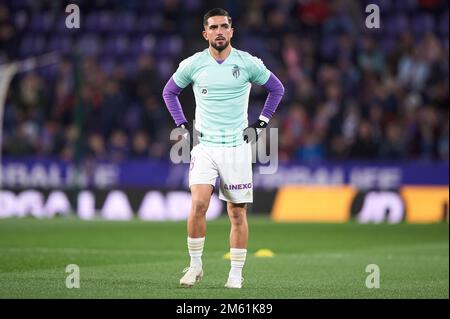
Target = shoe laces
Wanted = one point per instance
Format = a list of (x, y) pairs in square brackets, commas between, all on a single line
[(187, 269), (242, 279)]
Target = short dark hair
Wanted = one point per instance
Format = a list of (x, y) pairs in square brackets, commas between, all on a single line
[(215, 12)]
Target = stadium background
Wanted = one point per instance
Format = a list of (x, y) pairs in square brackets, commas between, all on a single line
[(363, 126)]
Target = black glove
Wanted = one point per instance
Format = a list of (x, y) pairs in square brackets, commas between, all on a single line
[(186, 133), (190, 134), (251, 133)]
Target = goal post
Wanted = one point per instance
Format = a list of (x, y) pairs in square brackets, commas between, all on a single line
[(7, 72)]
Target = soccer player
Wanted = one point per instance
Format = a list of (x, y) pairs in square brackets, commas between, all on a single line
[(221, 78)]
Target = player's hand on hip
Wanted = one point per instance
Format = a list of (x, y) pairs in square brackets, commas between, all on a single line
[(190, 134), (252, 132), (187, 133)]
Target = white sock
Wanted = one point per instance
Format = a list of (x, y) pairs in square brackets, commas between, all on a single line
[(237, 261), (195, 247)]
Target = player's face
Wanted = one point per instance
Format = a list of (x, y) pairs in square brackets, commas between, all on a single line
[(218, 32)]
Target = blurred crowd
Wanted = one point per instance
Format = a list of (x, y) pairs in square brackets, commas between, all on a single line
[(351, 92)]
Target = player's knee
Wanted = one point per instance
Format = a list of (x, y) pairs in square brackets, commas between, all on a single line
[(237, 216), (199, 207)]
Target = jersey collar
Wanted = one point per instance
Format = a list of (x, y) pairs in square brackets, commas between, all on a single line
[(223, 61)]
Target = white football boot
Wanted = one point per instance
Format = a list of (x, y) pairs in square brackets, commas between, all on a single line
[(234, 282), (191, 277)]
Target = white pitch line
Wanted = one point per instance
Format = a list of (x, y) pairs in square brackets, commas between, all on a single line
[(47, 250)]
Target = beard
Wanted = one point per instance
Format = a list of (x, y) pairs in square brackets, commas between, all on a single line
[(218, 47)]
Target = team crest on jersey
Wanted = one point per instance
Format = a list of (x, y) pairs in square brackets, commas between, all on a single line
[(236, 71)]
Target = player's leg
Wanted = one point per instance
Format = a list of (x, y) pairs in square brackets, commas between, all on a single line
[(236, 188), (239, 227), (196, 225), (238, 243), (202, 177), (196, 228), (201, 196)]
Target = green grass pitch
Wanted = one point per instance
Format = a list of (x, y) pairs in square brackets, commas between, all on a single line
[(139, 259)]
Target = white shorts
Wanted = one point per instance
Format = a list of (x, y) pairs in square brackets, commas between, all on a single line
[(232, 164)]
